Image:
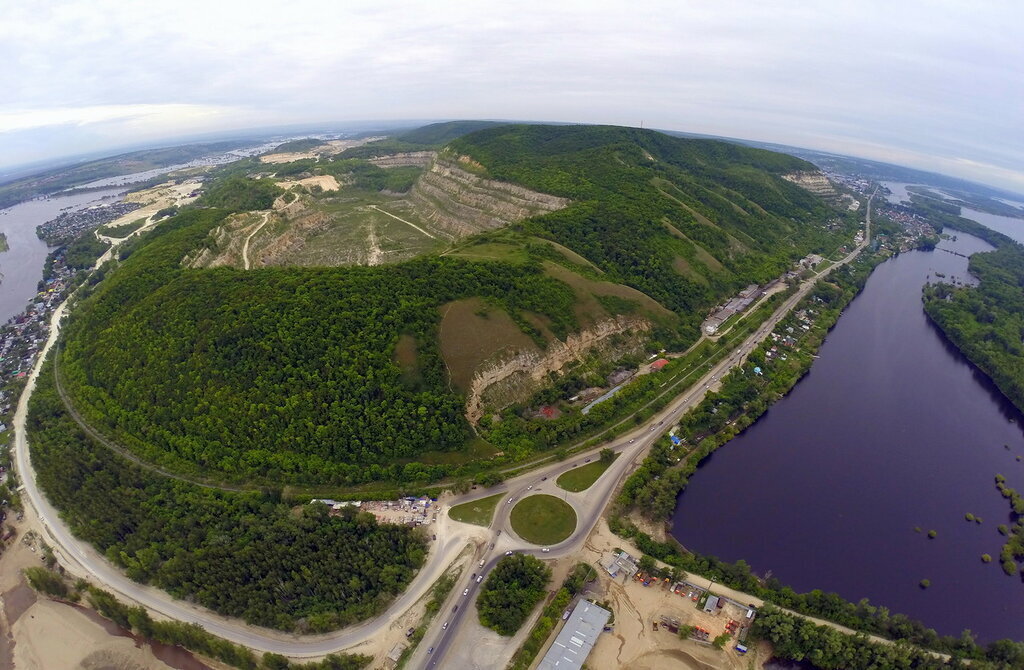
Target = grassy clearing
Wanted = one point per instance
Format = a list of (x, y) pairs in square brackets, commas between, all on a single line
[(494, 251), (478, 512), (582, 478), (543, 519), (477, 449), (471, 332)]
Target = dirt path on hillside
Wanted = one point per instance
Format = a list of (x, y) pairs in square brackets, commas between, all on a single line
[(409, 223), (245, 249)]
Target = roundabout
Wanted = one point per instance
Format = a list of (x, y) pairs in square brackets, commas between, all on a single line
[(543, 519)]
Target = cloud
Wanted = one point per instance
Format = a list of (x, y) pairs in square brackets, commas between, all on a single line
[(936, 81)]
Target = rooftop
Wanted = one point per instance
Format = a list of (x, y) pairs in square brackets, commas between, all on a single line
[(573, 644)]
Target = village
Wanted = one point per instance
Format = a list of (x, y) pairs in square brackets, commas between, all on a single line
[(70, 225), (23, 336)]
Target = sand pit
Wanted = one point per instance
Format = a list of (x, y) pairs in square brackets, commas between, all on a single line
[(326, 182), (286, 157), (51, 635)]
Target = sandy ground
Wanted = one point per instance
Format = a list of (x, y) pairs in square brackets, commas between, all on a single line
[(82, 643), (40, 634), (330, 148), (286, 157), (326, 182), (152, 201), (634, 645)]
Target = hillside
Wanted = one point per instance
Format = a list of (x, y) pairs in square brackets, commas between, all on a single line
[(553, 248)]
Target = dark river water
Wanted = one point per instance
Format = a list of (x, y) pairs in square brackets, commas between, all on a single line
[(21, 266), (892, 429)]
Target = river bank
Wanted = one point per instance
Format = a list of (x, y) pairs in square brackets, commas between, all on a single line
[(892, 430)]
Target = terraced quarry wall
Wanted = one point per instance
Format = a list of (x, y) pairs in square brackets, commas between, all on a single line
[(462, 203), (516, 378)]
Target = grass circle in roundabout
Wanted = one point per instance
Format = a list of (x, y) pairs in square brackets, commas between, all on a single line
[(543, 519)]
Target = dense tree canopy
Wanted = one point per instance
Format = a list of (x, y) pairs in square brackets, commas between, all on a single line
[(513, 588), (241, 554), (286, 373)]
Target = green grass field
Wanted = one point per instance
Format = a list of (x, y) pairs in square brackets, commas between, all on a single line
[(543, 519), (582, 478), (477, 512)]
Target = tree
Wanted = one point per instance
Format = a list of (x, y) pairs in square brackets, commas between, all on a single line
[(514, 587), (719, 642), (607, 455)]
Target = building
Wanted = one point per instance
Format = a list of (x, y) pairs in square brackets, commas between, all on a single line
[(711, 604), (621, 562), (394, 656), (579, 635), (659, 364)]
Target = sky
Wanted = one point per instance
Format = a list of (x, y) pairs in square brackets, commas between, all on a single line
[(936, 85)]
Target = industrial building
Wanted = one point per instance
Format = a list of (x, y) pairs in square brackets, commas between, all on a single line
[(577, 638)]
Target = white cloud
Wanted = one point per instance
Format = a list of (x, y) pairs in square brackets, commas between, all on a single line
[(940, 80)]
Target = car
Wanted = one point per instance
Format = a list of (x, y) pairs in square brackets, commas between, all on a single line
[(632, 441), (543, 479), (653, 427), (510, 501), (409, 632), (479, 579), (661, 423), (491, 547), (445, 626), (455, 609), (482, 561), (508, 553), (430, 651), (546, 550), (473, 576), (466, 592), (529, 487), (499, 533), (587, 461)]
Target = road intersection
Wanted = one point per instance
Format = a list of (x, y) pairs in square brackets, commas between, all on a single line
[(82, 559)]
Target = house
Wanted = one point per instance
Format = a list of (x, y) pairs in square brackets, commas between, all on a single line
[(711, 604), (659, 364)]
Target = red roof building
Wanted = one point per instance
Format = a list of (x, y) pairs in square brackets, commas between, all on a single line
[(659, 364)]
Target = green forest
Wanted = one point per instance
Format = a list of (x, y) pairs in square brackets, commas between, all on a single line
[(986, 322), (513, 588), (287, 375), (245, 555), (642, 199)]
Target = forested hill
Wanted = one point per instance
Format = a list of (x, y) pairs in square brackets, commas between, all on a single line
[(684, 220), (295, 374)]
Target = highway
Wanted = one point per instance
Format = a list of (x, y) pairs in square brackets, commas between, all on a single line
[(591, 503), (81, 559)]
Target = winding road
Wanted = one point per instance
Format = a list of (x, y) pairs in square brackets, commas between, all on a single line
[(81, 559)]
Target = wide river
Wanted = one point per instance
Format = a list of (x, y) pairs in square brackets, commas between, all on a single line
[(21, 266), (891, 430)]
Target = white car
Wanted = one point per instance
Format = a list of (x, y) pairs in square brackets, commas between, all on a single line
[(479, 579), (529, 487), (510, 501), (466, 592), (545, 550), (445, 626)]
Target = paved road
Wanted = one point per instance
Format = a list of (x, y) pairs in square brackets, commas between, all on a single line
[(80, 558), (590, 504)]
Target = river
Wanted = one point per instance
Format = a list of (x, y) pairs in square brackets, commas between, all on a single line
[(892, 429), (22, 265)]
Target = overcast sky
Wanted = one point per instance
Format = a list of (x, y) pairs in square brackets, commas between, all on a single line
[(930, 84)]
